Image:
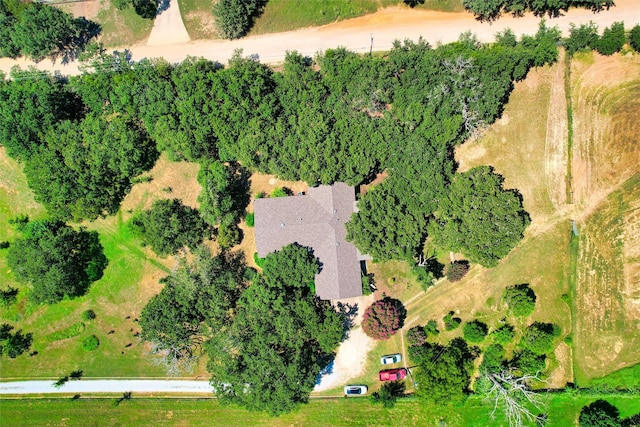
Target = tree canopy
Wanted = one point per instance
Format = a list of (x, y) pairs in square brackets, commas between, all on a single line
[(13, 344), (599, 414), (58, 261), (169, 226), (444, 373), (37, 30), (280, 338), (490, 10), (479, 218), (234, 18), (520, 299), (198, 297)]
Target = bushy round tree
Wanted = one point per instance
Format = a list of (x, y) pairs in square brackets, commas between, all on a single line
[(57, 260), (520, 299), (612, 40), (504, 334), (90, 343), (539, 337), (383, 318), (599, 414), (475, 331)]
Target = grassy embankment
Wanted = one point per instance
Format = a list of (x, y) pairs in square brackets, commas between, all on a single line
[(288, 15)]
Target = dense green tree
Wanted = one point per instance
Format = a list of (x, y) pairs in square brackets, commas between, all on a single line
[(493, 359), (526, 362), (31, 102), (634, 38), (475, 331), (13, 345), (169, 226), (42, 30), (444, 379), (479, 218), (489, 10), (234, 18), (86, 168), (198, 296), (539, 338), (599, 414), (225, 192), (384, 227), (504, 334), (520, 299), (612, 40), (280, 338), (582, 38), (189, 133), (58, 261)]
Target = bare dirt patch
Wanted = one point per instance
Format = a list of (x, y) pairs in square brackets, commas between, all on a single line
[(89, 9), (351, 356)]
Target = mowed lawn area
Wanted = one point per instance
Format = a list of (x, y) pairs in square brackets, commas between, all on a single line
[(563, 411)]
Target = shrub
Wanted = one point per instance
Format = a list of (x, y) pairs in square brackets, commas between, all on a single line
[(259, 261), (634, 38), (20, 221), (612, 39), (90, 343), (388, 393), (8, 297), (68, 332), (520, 299), (250, 219), (475, 331), (504, 334), (4, 245), (88, 315), (279, 192), (450, 322), (457, 270), (383, 318), (416, 336), (367, 284), (229, 235), (431, 328)]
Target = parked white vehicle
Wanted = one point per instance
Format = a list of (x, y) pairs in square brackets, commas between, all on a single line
[(355, 390), (391, 359)]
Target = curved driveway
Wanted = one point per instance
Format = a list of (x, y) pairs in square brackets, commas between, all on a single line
[(377, 31)]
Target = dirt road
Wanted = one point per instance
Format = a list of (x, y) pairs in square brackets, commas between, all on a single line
[(376, 31)]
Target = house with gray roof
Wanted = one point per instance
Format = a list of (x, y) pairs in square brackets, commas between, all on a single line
[(316, 220)]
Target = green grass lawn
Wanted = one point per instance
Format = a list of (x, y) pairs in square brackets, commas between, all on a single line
[(286, 15), (129, 280), (122, 27), (563, 410)]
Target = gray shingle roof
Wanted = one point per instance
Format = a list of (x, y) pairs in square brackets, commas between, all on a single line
[(314, 220)]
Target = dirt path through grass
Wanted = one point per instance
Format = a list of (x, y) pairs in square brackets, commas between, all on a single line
[(168, 27)]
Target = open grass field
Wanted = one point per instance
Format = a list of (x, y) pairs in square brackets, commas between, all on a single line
[(563, 411), (130, 279), (606, 170)]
